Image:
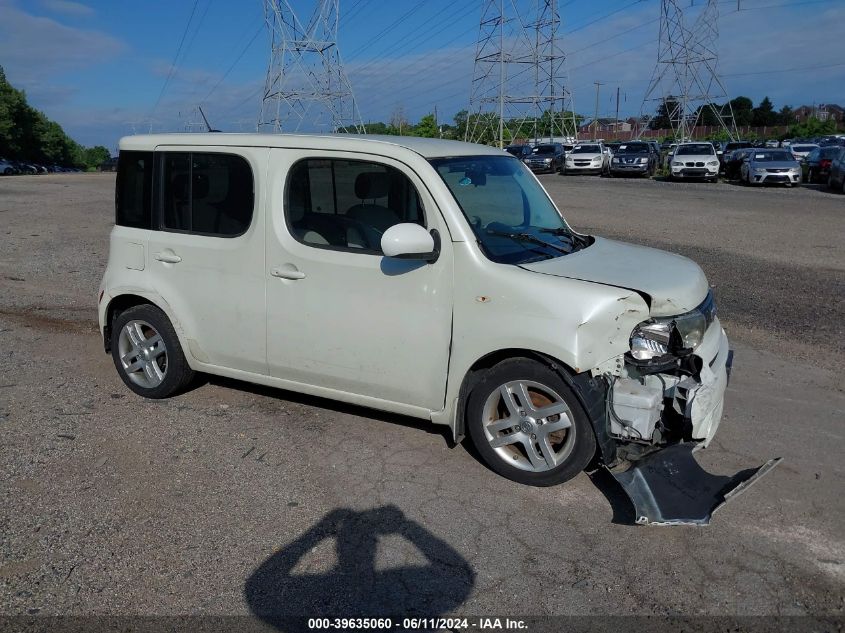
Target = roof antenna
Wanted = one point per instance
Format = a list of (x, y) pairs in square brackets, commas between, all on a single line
[(207, 125)]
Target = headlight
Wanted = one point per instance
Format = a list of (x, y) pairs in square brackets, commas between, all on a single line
[(677, 163), (713, 163), (643, 161), (649, 340), (526, 161), (691, 327), (656, 337), (615, 160), (547, 160), (596, 159), (759, 170)]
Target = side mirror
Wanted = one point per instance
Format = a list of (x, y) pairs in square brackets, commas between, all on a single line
[(411, 241)]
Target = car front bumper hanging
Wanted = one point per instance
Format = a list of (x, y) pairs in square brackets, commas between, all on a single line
[(669, 487)]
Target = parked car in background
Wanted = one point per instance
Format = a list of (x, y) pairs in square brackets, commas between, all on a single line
[(634, 158), (772, 143), (694, 160), (729, 148), (801, 150), (7, 168), (770, 166), (815, 167), (547, 157), (836, 178), (586, 158), (733, 162), (520, 151)]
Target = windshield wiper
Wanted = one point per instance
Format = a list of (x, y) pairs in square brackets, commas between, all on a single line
[(573, 237), (527, 237)]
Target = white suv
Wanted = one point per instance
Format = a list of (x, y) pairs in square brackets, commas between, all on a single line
[(694, 160), (430, 278)]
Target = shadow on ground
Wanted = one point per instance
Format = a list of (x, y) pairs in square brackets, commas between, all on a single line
[(284, 597)]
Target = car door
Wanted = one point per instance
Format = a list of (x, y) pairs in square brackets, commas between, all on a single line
[(206, 256), (340, 315)]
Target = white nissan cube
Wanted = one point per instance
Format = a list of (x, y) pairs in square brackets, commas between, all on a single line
[(430, 278)]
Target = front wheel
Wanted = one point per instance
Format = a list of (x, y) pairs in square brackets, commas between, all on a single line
[(147, 353), (527, 424)]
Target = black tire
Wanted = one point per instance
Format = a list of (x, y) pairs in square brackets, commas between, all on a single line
[(577, 444), (177, 374)]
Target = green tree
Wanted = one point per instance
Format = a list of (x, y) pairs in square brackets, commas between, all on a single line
[(786, 116), (743, 109), (662, 120), (426, 127), (764, 114)]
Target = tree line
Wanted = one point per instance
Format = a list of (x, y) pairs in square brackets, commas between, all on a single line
[(27, 135)]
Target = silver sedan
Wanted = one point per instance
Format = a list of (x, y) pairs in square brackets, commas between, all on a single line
[(770, 166)]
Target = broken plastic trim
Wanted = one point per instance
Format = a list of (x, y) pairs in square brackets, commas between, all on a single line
[(669, 487)]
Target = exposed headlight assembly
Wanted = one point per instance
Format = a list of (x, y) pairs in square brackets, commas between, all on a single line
[(672, 335)]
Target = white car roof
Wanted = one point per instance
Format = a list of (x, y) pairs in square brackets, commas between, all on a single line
[(426, 147)]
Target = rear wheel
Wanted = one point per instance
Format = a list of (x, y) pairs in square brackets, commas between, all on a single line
[(527, 424), (147, 354)]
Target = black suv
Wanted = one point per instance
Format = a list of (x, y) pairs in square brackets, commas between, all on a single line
[(636, 157), (547, 157)]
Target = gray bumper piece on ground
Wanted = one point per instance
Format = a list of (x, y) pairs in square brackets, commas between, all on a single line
[(670, 488)]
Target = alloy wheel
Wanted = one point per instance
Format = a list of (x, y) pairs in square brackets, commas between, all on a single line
[(528, 425), (143, 354)]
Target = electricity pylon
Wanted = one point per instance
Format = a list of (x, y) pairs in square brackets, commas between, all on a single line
[(306, 87), (518, 89), (685, 81)]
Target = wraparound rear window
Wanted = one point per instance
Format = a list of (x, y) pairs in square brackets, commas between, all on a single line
[(133, 192)]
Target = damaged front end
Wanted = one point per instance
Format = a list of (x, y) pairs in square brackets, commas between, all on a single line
[(663, 401)]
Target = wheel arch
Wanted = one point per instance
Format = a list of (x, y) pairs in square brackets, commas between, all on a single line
[(590, 391), (123, 301)]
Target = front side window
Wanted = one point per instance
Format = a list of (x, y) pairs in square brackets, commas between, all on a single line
[(205, 193), (348, 204), (510, 213), (133, 192)]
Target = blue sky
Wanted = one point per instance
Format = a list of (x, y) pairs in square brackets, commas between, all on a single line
[(98, 67)]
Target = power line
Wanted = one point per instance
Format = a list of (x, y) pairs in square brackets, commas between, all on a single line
[(176, 57), (235, 63)]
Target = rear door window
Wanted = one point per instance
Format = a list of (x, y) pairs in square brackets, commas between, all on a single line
[(205, 193)]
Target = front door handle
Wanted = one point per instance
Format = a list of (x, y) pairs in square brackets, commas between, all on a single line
[(287, 271), (168, 257)]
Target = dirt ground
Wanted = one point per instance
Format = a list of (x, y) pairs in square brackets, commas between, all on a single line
[(236, 499)]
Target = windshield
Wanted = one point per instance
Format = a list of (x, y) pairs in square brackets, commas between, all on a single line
[(695, 150), (634, 148), (770, 157), (545, 149), (510, 213), (803, 148), (586, 149)]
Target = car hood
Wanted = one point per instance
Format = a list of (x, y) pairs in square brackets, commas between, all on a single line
[(584, 155), (701, 157), (674, 284), (630, 155)]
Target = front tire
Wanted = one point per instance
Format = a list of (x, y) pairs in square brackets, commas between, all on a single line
[(528, 425), (147, 353)]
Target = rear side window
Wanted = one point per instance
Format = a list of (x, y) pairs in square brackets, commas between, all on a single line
[(133, 192), (348, 204), (205, 193)]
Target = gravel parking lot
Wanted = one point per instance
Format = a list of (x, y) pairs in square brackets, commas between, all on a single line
[(236, 499)]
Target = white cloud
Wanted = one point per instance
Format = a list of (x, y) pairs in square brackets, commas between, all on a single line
[(32, 46)]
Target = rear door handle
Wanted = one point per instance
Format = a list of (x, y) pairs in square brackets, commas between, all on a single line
[(287, 271), (168, 257)]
